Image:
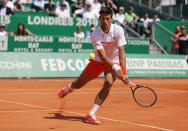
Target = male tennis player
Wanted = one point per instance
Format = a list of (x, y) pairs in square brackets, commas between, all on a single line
[(108, 41)]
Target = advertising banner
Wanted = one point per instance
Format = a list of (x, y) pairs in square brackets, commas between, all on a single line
[(72, 64), (40, 24), (63, 44)]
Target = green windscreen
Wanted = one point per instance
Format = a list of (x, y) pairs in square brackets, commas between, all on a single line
[(163, 38)]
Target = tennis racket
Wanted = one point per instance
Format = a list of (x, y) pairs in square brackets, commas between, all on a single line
[(143, 96)]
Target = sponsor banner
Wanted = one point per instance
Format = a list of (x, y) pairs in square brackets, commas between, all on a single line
[(157, 66), (40, 24), (42, 64), (72, 64), (49, 44), (62, 44), (138, 41)]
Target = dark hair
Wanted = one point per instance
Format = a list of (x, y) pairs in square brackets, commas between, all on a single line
[(21, 32), (92, 25), (106, 10)]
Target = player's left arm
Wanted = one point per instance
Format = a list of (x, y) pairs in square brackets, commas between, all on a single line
[(122, 60), (122, 57)]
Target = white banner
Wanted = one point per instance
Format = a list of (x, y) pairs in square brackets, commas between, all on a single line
[(160, 64)]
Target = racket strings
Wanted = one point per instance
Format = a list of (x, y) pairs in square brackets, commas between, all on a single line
[(144, 96)]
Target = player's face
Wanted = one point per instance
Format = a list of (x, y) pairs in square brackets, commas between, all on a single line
[(106, 20)]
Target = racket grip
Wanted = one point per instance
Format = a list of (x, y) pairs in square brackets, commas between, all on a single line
[(130, 83)]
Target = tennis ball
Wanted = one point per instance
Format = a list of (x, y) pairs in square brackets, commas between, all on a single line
[(91, 56)]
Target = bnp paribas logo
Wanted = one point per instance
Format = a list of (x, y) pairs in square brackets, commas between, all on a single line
[(3, 43)]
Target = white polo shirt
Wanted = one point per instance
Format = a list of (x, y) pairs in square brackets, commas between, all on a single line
[(109, 42), (3, 33)]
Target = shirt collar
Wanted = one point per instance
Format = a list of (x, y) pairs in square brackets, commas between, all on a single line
[(111, 30)]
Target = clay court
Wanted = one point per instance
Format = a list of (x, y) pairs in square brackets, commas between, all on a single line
[(32, 105)]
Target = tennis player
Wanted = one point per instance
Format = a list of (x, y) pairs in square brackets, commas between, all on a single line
[(108, 41)]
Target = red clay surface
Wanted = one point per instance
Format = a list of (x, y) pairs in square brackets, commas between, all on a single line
[(32, 105)]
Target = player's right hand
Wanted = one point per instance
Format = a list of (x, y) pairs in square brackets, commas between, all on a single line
[(125, 79), (122, 77)]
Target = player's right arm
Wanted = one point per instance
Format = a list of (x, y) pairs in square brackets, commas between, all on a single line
[(104, 58), (107, 61), (95, 38)]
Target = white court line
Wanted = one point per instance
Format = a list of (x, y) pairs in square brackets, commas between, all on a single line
[(104, 118), (34, 80), (89, 93), (125, 122), (69, 80), (18, 103), (93, 88), (48, 80), (175, 90), (26, 111), (81, 93), (25, 89)]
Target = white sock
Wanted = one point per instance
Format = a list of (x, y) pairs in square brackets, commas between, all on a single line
[(70, 87), (94, 109)]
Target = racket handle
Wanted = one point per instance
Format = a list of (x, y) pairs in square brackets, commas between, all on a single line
[(130, 83)]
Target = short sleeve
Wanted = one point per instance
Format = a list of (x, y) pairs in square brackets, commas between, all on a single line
[(98, 45), (121, 37), (79, 11), (126, 15)]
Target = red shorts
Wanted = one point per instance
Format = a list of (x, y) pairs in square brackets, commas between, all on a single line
[(95, 68)]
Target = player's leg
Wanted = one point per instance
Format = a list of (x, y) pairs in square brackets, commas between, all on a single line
[(81, 81), (77, 84), (110, 77), (93, 70)]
